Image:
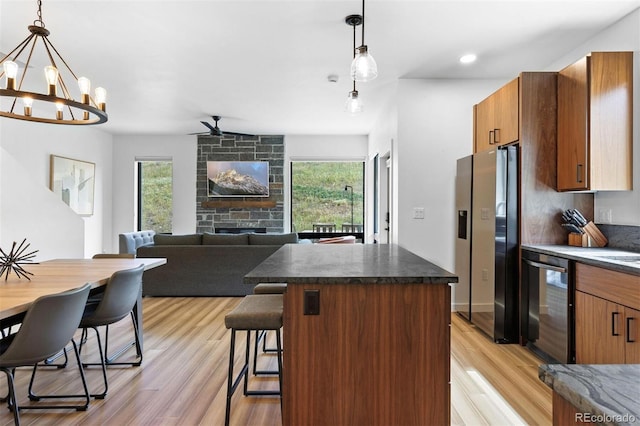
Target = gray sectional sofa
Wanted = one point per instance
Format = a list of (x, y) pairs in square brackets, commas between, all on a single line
[(204, 264)]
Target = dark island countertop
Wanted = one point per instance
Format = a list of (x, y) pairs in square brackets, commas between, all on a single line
[(347, 264), (608, 393)]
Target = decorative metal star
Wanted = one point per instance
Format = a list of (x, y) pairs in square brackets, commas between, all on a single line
[(15, 259)]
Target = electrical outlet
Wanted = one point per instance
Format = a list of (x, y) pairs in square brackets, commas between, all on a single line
[(418, 212), (485, 275), (605, 216), (311, 302)]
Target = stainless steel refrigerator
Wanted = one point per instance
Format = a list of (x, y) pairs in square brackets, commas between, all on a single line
[(462, 289), (494, 243)]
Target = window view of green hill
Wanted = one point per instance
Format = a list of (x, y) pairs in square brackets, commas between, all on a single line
[(319, 195), (156, 195)]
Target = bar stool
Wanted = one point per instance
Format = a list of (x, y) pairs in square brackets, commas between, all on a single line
[(255, 312), (265, 288)]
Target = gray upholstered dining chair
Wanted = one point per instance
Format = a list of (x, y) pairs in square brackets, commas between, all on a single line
[(118, 301), (47, 328), (110, 360)]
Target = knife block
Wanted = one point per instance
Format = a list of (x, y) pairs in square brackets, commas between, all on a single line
[(597, 238), (579, 240)]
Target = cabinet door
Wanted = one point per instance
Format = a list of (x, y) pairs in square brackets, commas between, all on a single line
[(610, 120), (484, 125), (599, 331), (632, 336), (573, 121), (506, 114)]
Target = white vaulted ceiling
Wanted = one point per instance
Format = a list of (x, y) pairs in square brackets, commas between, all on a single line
[(263, 65)]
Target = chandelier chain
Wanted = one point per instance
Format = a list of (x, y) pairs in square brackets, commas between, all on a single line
[(39, 21)]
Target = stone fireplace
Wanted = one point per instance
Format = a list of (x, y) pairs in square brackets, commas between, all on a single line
[(241, 212)]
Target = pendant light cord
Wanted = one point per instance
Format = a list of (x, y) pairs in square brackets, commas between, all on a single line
[(354, 50), (362, 38)]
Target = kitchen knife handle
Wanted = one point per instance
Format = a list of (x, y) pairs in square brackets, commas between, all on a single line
[(614, 317), (629, 339), (579, 173)]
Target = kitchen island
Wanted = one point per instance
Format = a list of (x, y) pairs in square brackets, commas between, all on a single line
[(366, 334)]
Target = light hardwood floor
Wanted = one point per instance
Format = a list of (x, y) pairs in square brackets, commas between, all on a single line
[(183, 377)]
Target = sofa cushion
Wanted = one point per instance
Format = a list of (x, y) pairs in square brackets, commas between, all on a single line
[(177, 240), (272, 239), (225, 239)]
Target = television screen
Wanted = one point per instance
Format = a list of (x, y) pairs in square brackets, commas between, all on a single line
[(238, 178)]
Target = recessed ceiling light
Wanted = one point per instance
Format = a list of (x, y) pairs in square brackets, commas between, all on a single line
[(467, 59)]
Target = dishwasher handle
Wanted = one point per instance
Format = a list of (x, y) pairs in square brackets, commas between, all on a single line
[(545, 266)]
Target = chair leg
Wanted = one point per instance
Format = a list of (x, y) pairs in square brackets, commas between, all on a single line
[(86, 396), (262, 335), (110, 360), (102, 364), (11, 396)]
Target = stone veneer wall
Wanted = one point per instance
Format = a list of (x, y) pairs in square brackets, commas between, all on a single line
[(241, 212)]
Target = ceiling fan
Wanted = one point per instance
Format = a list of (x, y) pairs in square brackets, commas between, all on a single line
[(215, 130)]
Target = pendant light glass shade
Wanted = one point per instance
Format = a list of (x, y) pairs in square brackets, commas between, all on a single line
[(353, 104), (363, 66)]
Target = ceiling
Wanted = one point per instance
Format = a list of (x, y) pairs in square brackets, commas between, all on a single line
[(263, 65)]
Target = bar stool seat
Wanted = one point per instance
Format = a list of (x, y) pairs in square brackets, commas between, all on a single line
[(270, 288), (255, 312)]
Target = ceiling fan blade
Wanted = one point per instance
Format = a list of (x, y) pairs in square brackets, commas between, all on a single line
[(209, 126), (238, 134)]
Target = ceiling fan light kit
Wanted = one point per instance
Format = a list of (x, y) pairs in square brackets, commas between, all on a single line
[(87, 110)]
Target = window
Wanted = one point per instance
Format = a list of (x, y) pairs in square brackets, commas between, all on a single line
[(328, 193), (155, 195)]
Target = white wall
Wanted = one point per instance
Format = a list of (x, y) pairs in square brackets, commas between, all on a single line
[(316, 148), (435, 128), (622, 36), (182, 150), (29, 209)]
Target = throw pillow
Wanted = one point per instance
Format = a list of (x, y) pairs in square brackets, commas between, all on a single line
[(177, 240), (225, 239), (273, 239)]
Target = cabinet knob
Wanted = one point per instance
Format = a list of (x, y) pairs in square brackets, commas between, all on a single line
[(614, 317), (491, 137), (496, 135), (629, 339)]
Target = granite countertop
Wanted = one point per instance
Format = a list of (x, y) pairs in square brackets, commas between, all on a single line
[(347, 264), (603, 257), (610, 393)]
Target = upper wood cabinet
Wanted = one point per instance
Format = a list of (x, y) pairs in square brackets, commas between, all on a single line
[(496, 118), (595, 117)]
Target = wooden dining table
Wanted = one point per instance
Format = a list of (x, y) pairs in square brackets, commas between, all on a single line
[(58, 275)]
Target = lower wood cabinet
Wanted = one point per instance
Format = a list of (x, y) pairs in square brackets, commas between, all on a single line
[(607, 323)]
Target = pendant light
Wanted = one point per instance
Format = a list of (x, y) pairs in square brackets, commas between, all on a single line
[(363, 67), (54, 104), (354, 103)]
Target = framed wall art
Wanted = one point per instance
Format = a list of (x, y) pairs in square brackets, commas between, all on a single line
[(74, 182)]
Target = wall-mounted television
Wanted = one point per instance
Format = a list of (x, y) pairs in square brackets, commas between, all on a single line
[(238, 178)]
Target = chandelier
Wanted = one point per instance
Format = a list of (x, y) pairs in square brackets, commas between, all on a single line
[(363, 67), (55, 105), (353, 104)]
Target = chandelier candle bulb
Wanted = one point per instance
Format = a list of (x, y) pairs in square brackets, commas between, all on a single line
[(59, 108), (51, 74), (101, 98), (85, 88), (28, 103), (11, 72)]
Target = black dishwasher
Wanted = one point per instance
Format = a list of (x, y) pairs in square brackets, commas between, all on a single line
[(547, 307)]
